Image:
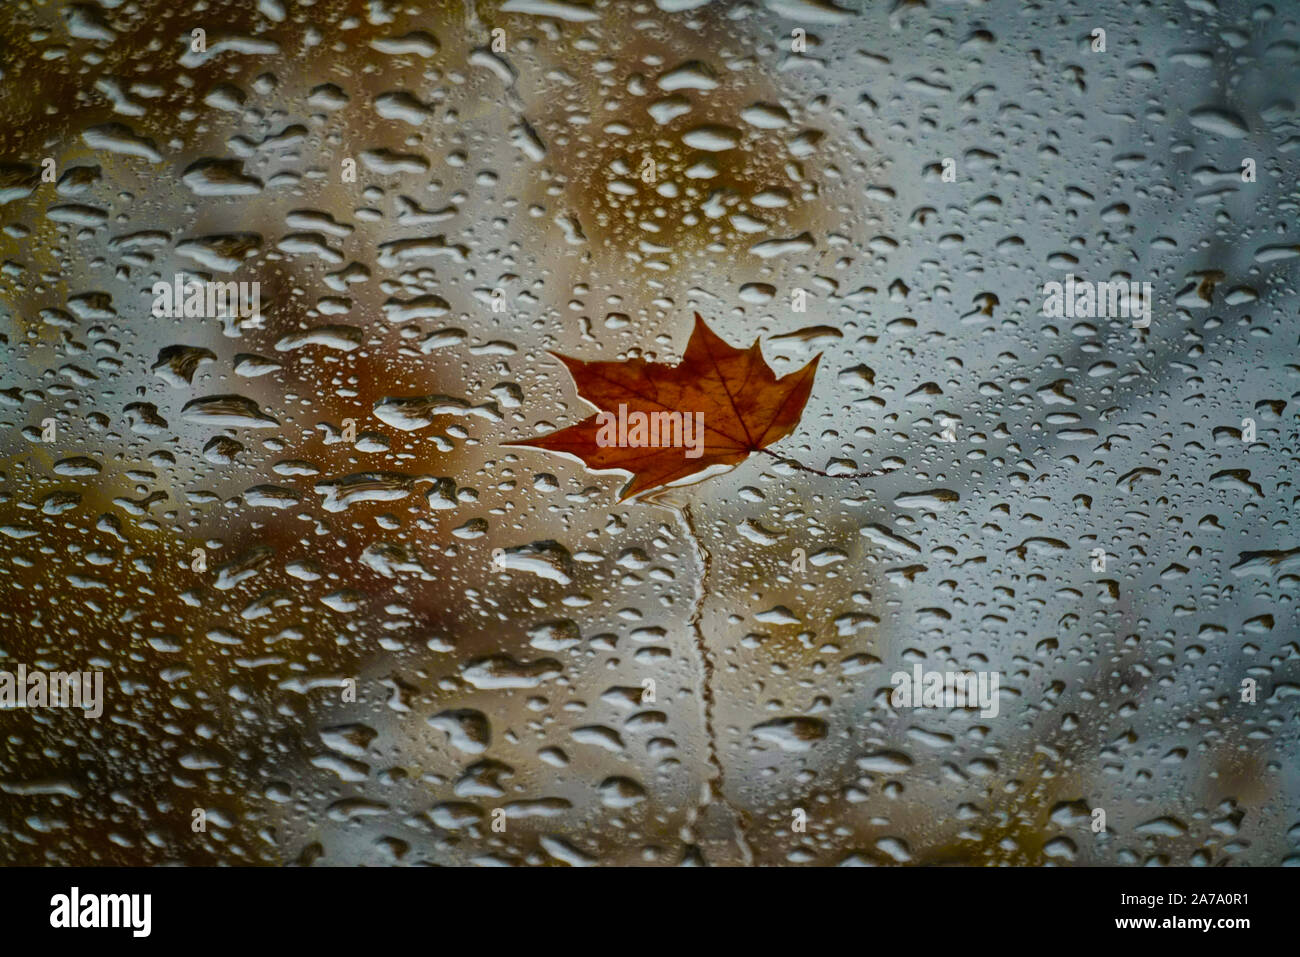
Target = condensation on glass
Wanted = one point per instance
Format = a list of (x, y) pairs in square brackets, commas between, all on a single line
[(339, 621)]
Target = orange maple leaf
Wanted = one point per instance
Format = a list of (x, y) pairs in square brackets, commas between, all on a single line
[(721, 402)]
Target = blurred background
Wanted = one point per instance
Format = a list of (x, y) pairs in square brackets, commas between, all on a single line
[(341, 624)]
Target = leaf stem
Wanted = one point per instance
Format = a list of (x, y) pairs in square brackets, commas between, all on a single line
[(713, 789), (808, 468)]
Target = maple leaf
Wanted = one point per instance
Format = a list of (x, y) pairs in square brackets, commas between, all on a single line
[(732, 393)]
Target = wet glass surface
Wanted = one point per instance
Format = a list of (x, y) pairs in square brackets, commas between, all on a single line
[(340, 621)]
